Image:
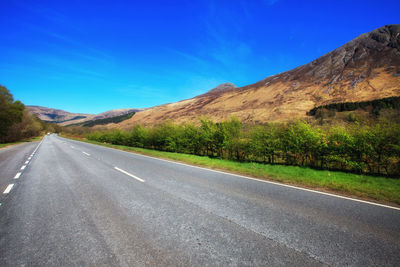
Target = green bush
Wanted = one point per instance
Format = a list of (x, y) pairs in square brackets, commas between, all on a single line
[(361, 149), (15, 122)]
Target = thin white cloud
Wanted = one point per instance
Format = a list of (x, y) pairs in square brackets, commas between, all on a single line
[(67, 40), (66, 65), (52, 15), (271, 2), (188, 56)]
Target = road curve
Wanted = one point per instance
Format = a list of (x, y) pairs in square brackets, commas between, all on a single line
[(80, 204)]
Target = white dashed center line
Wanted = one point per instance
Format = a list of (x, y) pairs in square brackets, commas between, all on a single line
[(8, 189), (10, 186), (131, 175), (87, 154)]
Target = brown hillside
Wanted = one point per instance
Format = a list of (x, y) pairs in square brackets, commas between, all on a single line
[(365, 68), (66, 118), (55, 115), (103, 115)]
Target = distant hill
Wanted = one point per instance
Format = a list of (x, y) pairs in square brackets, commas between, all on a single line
[(56, 115), (364, 69), (65, 118), (115, 119)]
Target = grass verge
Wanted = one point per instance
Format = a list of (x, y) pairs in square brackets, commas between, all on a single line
[(37, 138), (379, 189)]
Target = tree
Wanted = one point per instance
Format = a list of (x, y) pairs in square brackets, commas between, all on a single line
[(340, 149), (231, 138), (28, 127), (207, 131), (10, 112), (138, 137), (383, 139), (191, 139), (265, 142)]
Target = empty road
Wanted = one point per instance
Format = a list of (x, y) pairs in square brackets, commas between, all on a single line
[(65, 202)]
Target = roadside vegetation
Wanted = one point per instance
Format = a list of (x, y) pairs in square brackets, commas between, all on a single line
[(353, 152), (362, 149), (364, 186), (340, 149), (16, 123), (36, 138)]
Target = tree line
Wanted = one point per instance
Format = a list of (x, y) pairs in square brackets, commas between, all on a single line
[(16, 123), (376, 106), (369, 149), (115, 119)]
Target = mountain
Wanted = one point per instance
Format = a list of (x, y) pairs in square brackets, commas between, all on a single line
[(66, 118), (56, 115), (222, 88), (104, 115), (364, 69)]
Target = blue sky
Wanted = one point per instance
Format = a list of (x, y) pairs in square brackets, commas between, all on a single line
[(93, 56)]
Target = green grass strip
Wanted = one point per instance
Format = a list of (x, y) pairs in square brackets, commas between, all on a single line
[(381, 189), (38, 138)]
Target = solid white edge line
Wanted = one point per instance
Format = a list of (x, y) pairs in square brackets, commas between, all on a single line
[(131, 175), (34, 151), (280, 184), (263, 181), (8, 189), (87, 154), (17, 175), (23, 167)]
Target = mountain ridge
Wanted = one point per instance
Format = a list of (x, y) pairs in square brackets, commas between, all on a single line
[(65, 118), (365, 68)]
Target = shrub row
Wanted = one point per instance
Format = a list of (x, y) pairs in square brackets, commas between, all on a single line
[(16, 123), (362, 149)]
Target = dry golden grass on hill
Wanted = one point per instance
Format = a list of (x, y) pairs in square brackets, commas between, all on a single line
[(275, 102), (364, 69)]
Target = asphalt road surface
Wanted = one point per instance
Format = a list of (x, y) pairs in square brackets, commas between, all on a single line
[(80, 204)]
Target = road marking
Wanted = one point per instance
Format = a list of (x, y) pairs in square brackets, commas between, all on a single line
[(26, 162), (87, 154), (23, 167), (8, 189), (34, 151), (263, 181), (131, 175), (270, 182), (17, 175), (72, 147)]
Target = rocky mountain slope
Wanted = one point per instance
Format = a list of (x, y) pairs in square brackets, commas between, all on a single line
[(55, 115), (66, 118), (366, 68)]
